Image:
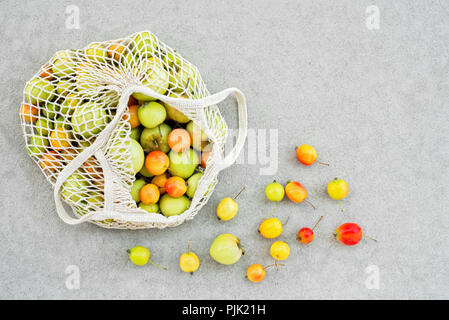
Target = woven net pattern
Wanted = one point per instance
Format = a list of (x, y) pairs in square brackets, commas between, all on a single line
[(74, 115)]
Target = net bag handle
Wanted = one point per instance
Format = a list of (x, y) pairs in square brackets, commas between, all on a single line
[(103, 137)]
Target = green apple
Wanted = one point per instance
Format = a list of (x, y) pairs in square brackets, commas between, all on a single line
[(186, 78), (157, 79), (172, 58), (61, 123), (95, 201), (135, 189), (226, 249), (199, 139), (70, 103), (144, 171), (183, 164), (89, 119), (150, 208), (64, 87), (118, 152), (43, 127), (137, 156), (145, 44), (50, 110), (192, 184), (151, 114), (136, 133), (37, 145), (39, 90), (63, 64), (97, 52), (75, 188), (153, 139), (171, 206), (129, 60), (173, 113)]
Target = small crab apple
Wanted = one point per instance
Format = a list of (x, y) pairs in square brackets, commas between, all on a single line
[(296, 192), (271, 228), (179, 140), (256, 273), (338, 189), (175, 186), (280, 250), (307, 155), (349, 234), (189, 261), (274, 191), (306, 235), (141, 256), (227, 208)]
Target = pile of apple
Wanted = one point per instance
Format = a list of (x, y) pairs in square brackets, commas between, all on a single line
[(66, 107), (168, 176)]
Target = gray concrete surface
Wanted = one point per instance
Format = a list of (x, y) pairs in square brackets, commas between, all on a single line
[(373, 102)]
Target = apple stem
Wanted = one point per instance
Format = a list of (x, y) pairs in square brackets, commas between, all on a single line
[(157, 265), (275, 264), (286, 221), (236, 196), (272, 210), (319, 220), (323, 163), (341, 206), (371, 238), (188, 247), (310, 203)]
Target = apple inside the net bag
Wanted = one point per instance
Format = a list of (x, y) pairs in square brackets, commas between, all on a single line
[(127, 133)]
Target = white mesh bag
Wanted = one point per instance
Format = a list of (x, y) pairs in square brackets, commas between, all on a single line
[(75, 120)]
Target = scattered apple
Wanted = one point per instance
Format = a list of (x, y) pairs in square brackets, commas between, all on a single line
[(226, 249), (306, 235), (280, 250), (307, 155), (189, 262), (349, 234), (338, 189), (275, 191), (297, 193), (271, 228)]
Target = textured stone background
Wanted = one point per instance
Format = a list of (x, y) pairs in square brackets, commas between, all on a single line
[(373, 102)]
